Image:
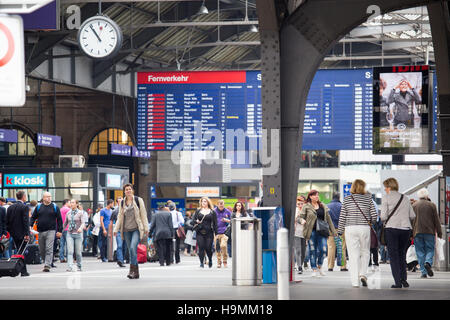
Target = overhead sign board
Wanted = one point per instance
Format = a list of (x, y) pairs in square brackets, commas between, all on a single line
[(120, 150), (8, 135), (12, 62), (27, 180), (140, 154), (47, 140), (44, 18)]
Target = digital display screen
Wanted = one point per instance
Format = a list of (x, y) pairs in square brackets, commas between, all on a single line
[(401, 122)]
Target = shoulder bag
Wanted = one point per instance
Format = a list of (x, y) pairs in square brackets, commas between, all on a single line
[(198, 227), (373, 234), (180, 231), (382, 233), (322, 226)]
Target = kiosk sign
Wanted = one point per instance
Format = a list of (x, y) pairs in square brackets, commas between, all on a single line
[(12, 62), (29, 180)]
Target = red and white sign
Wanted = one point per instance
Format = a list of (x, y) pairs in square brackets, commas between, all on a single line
[(12, 62), (182, 77)]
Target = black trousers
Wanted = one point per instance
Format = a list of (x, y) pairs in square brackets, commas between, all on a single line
[(374, 256), (17, 243), (163, 248), (205, 243), (397, 243), (95, 245), (175, 249)]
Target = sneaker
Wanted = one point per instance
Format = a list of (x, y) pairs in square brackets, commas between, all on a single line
[(330, 270), (322, 273), (429, 270), (202, 265), (424, 276), (104, 260), (79, 269), (300, 271), (46, 269)]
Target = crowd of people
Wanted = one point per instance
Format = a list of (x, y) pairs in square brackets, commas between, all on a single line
[(357, 229), (353, 235), (69, 232)]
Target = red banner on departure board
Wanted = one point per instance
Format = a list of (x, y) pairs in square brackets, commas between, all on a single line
[(182, 77)]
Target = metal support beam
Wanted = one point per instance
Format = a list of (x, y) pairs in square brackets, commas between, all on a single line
[(439, 13), (306, 36)]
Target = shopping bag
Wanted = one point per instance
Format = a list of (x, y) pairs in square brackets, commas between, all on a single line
[(411, 254), (439, 249)]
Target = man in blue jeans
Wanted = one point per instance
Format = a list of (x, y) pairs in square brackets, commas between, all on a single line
[(105, 219), (426, 226)]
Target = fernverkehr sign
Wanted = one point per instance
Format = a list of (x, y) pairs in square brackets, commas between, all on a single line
[(12, 62)]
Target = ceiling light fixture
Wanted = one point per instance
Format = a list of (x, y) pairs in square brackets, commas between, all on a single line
[(203, 9)]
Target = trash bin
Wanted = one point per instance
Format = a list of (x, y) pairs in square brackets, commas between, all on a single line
[(246, 251)]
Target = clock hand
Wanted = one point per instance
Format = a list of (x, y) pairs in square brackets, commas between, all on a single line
[(96, 34)]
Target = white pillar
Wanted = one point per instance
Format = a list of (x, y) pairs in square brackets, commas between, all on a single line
[(283, 264)]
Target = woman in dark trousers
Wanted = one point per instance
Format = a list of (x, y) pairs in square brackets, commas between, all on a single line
[(206, 219), (397, 229)]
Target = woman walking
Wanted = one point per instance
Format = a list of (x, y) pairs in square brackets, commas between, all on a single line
[(299, 239), (358, 213), (76, 222), (398, 215), (317, 229), (205, 226), (133, 224)]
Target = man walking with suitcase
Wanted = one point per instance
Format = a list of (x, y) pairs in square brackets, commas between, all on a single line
[(49, 223), (17, 217)]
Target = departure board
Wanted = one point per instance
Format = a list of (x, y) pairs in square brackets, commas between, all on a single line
[(198, 110), (338, 112)]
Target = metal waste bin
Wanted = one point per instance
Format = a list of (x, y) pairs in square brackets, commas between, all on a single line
[(246, 251)]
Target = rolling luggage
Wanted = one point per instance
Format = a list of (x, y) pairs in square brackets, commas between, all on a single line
[(13, 266), (32, 255)]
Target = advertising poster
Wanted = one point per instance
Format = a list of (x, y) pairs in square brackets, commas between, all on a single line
[(401, 110)]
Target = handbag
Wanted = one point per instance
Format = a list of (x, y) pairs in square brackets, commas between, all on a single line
[(373, 234), (382, 233), (228, 231), (198, 227), (180, 231), (322, 227)]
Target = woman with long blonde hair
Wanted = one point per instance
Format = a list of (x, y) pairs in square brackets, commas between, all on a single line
[(205, 226)]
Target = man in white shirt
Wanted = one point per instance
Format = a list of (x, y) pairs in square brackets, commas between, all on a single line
[(178, 220)]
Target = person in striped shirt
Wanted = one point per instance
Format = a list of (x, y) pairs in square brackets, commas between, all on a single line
[(358, 213)]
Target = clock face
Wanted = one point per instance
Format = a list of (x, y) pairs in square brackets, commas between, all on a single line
[(99, 37)]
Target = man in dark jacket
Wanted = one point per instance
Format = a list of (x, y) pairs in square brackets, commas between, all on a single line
[(162, 232), (3, 232), (49, 224), (17, 218), (425, 227), (335, 211)]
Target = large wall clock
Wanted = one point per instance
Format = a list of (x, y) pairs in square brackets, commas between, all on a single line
[(100, 37)]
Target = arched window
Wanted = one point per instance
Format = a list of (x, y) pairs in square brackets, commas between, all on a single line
[(99, 145), (24, 147)]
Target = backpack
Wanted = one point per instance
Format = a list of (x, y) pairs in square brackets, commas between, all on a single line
[(136, 199), (39, 205)]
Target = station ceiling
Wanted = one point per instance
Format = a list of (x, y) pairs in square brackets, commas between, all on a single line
[(180, 35)]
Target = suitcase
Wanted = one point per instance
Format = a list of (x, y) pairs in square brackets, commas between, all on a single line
[(141, 253), (13, 266), (32, 255)]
